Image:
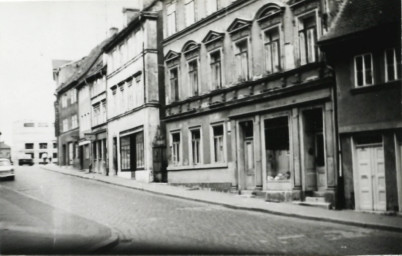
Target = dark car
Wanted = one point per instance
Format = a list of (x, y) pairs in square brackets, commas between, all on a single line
[(25, 161)]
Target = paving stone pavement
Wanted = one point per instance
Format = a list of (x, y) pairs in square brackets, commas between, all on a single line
[(150, 223)]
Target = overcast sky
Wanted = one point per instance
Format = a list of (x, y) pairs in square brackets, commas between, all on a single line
[(32, 33)]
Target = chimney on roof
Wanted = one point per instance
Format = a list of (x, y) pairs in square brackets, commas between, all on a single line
[(113, 31), (129, 14)]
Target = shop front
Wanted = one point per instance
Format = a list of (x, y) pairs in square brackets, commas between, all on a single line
[(288, 154)]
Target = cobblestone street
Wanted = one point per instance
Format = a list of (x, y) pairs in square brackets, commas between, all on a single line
[(148, 223)]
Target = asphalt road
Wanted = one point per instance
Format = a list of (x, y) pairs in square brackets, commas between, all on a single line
[(28, 226), (149, 223)]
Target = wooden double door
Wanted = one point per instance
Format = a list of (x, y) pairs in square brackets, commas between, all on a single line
[(371, 187)]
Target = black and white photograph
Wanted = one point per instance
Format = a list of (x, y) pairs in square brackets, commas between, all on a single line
[(200, 127)]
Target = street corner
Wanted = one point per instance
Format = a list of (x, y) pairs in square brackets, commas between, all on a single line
[(29, 226)]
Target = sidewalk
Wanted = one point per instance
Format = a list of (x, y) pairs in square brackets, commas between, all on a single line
[(350, 217)]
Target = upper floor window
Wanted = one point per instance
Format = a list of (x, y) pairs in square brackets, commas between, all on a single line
[(392, 65), (65, 125), (272, 53), (212, 6), (216, 69), (307, 39), (29, 124), (175, 148), (73, 96), (193, 76), (96, 114), (174, 84), (64, 101), (43, 145), (196, 146), (363, 70), (74, 122), (29, 145), (189, 9), (171, 18), (54, 145), (241, 55)]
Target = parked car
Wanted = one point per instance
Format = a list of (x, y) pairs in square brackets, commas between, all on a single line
[(6, 168), (25, 159)]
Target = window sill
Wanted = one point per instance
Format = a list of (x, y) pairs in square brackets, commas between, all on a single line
[(198, 167), (375, 87)]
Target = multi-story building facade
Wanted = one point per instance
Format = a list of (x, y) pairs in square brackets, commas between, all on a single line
[(66, 78), (36, 139), (134, 94), (92, 113), (368, 75), (249, 101)]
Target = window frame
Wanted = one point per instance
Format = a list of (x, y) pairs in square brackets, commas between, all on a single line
[(364, 83), (190, 77), (300, 21), (395, 63), (238, 54), (279, 48), (26, 144), (176, 96), (208, 6), (171, 24), (74, 121), (176, 161), (212, 141), (187, 21), (200, 146), (214, 85)]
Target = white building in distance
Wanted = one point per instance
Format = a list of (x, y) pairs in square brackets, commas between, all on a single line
[(36, 139)]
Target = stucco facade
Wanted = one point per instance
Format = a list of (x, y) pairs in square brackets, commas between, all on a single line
[(36, 139), (266, 122), (368, 106), (133, 95)]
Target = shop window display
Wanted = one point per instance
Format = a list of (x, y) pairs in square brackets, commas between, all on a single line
[(277, 149)]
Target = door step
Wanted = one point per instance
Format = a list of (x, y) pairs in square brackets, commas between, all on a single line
[(252, 193), (314, 202)]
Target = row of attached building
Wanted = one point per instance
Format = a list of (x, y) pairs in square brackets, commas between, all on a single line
[(298, 100)]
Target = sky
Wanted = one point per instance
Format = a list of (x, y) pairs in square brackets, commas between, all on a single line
[(32, 34)]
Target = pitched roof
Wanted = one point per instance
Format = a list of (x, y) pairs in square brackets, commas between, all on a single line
[(360, 15), (86, 63), (59, 63)]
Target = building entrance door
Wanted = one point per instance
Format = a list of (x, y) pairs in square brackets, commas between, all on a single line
[(371, 178), (248, 154), (314, 150)]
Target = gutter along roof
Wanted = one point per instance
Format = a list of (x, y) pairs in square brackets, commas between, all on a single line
[(356, 16)]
